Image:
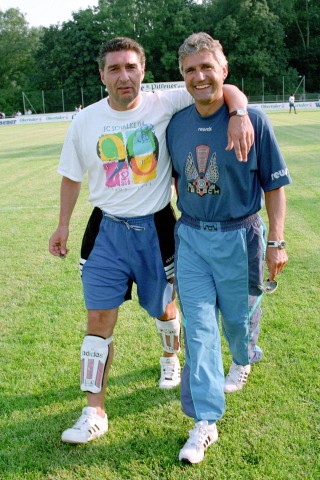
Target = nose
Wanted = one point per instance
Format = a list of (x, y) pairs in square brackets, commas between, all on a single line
[(124, 74), (199, 75)]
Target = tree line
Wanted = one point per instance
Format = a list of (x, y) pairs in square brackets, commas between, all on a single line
[(267, 39)]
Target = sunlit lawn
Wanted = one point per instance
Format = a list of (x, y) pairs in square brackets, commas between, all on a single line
[(270, 429)]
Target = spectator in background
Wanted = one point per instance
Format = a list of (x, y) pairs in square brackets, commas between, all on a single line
[(292, 104)]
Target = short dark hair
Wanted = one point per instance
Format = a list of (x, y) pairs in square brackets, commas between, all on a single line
[(116, 45)]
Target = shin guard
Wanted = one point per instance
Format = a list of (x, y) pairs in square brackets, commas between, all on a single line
[(94, 356), (170, 334)]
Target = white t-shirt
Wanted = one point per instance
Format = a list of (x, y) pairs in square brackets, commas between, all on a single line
[(124, 153)]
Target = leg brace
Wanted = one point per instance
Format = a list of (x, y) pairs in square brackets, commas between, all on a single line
[(170, 334), (94, 356)]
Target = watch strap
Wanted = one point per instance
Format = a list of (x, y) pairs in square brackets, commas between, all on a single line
[(240, 113), (276, 244)]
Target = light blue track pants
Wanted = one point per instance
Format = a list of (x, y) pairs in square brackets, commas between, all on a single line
[(218, 267)]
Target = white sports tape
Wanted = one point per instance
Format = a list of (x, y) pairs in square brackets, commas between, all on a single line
[(170, 334), (94, 355)]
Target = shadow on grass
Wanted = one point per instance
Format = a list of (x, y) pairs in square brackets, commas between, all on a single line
[(31, 153), (32, 442), (136, 378), (151, 453)]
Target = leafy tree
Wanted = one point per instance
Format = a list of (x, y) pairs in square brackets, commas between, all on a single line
[(18, 44), (68, 52), (159, 25), (263, 39), (171, 23), (301, 22), (253, 40)]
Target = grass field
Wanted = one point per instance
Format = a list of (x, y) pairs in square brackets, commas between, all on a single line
[(270, 430)]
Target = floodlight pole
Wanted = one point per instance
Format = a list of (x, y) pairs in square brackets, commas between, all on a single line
[(43, 103), (82, 100), (303, 86), (24, 104), (62, 98)]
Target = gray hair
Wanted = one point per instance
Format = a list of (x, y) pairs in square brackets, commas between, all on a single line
[(198, 42), (116, 45)]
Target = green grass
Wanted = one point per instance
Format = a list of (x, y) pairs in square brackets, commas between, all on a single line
[(270, 430)]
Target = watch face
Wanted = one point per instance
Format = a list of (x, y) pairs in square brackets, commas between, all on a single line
[(240, 113)]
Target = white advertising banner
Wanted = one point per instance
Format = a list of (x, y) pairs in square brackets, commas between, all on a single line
[(148, 87), (285, 106), (41, 118)]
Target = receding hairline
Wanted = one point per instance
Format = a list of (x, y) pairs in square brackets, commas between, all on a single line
[(199, 42)]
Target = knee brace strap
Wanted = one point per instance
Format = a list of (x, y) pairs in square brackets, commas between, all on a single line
[(170, 334), (94, 356)]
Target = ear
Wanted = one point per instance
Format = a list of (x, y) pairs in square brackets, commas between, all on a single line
[(142, 72), (102, 76), (225, 72)]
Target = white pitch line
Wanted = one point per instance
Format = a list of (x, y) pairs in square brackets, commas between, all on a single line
[(8, 209)]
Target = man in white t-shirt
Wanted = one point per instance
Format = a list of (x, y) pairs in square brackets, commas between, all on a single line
[(120, 143), (292, 104)]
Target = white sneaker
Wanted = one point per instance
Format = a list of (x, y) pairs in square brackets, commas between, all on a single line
[(170, 372), (201, 437), (236, 378), (89, 426)]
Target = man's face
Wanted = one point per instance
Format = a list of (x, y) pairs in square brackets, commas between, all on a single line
[(122, 75), (204, 78)]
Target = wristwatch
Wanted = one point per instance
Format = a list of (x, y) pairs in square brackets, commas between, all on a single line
[(276, 244), (240, 113)]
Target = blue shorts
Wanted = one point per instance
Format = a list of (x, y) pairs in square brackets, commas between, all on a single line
[(118, 251)]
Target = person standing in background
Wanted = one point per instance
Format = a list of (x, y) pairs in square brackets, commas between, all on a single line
[(292, 104)]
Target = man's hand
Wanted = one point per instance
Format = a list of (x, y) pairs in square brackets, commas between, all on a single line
[(69, 193), (58, 242), (276, 260), (240, 136)]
